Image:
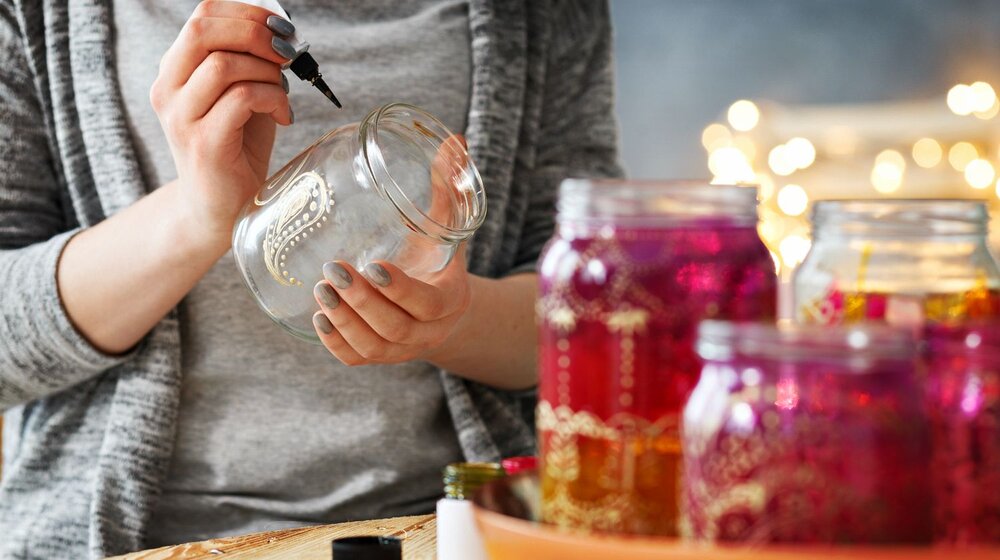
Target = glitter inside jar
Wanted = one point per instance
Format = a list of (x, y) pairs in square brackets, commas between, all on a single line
[(806, 434)]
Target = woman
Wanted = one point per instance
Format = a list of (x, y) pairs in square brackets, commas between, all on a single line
[(147, 400)]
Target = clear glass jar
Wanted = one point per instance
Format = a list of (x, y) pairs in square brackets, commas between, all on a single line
[(398, 186), (963, 400), (905, 262), (631, 269), (806, 433)]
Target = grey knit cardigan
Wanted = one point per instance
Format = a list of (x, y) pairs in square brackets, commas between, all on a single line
[(88, 437)]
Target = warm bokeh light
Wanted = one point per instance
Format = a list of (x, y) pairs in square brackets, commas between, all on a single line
[(927, 152), (743, 115), (979, 173), (800, 152), (766, 184), (716, 136), (747, 146), (829, 160), (840, 141), (961, 100), (887, 173), (891, 157), (793, 200), (886, 182), (793, 250), (730, 166), (769, 229), (989, 113), (777, 261), (961, 154), (983, 96), (779, 161)]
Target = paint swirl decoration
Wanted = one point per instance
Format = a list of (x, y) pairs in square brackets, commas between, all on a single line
[(303, 207)]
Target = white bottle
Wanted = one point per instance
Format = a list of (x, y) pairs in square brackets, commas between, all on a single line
[(458, 537)]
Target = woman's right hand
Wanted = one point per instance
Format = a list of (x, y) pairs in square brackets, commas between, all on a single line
[(218, 95)]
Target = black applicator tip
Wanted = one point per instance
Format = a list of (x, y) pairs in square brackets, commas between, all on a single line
[(321, 85)]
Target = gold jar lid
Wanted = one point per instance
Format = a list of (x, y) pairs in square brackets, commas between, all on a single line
[(461, 480)]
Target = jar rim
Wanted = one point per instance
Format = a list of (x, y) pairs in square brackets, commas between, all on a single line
[(900, 217), (641, 202), (792, 342), (423, 126)]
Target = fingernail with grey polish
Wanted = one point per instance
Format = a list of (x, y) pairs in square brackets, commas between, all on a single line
[(283, 47), (280, 26), (325, 294), (337, 275), (378, 274), (322, 323), (284, 83)]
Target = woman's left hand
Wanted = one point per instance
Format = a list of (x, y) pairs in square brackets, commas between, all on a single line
[(385, 316)]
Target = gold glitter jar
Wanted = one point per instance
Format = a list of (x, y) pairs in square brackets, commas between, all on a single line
[(903, 262)]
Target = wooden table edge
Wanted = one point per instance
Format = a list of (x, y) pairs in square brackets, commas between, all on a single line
[(418, 532)]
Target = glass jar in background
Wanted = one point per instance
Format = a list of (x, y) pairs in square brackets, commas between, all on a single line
[(630, 271), (799, 433), (963, 402), (398, 186), (906, 262)]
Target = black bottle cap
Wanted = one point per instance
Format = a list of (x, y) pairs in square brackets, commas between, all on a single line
[(367, 548)]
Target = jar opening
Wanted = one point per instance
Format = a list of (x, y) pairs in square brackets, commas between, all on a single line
[(655, 203), (899, 218), (856, 345), (424, 170)]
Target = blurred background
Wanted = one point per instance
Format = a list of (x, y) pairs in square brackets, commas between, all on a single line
[(812, 99)]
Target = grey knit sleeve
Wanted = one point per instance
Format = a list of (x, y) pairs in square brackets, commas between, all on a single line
[(578, 135), (40, 351)]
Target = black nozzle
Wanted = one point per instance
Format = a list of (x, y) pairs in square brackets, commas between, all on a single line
[(307, 69)]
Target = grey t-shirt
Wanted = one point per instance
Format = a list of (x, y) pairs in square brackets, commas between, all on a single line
[(274, 432)]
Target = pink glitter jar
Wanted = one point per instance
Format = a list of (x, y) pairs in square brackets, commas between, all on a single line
[(632, 269), (963, 398), (806, 434)]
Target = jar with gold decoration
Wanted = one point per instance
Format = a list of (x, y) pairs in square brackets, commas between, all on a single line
[(632, 268), (905, 262), (963, 401), (397, 186), (806, 434)]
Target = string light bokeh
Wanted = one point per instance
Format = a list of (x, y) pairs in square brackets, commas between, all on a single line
[(947, 147)]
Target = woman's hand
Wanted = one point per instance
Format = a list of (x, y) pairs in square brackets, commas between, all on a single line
[(218, 95), (480, 328), (386, 316)]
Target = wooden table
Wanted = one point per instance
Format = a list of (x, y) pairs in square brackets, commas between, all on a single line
[(419, 534)]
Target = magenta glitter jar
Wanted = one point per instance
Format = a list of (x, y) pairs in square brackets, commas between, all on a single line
[(806, 434), (631, 270), (963, 401)]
